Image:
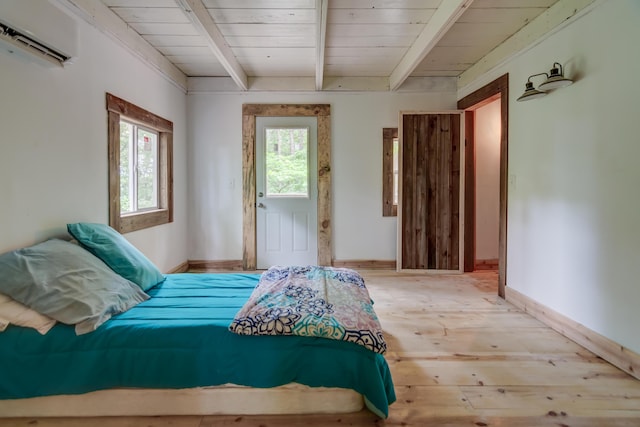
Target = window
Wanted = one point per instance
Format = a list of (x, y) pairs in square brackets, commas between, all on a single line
[(390, 184), (287, 162), (140, 167)]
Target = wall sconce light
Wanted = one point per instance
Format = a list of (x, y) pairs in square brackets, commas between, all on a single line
[(531, 92), (555, 79)]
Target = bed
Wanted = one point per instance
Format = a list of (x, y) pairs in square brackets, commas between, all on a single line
[(174, 354)]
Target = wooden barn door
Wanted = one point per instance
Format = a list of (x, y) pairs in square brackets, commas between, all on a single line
[(429, 211)]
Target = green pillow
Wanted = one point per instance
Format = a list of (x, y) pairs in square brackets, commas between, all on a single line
[(123, 258), (65, 282)]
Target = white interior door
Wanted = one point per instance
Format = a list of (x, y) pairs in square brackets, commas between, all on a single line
[(286, 191)]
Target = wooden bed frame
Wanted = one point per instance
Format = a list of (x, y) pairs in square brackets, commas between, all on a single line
[(223, 400)]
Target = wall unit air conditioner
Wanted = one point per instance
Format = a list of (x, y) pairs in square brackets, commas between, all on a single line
[(39, 31)]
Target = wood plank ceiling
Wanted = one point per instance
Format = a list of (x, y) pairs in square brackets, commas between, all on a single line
[(321, 39)]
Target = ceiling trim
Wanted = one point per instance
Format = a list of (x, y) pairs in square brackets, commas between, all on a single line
[(546, 24), (102, 18), (331, 84), (198, 14), (444, 17), (321, 28)]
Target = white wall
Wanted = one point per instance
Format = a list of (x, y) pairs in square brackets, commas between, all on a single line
[(487, 147), (53, 145), (573, 234), (360, 232)]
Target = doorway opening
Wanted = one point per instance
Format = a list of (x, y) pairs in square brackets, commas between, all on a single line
[(496, 90), (487, 159)]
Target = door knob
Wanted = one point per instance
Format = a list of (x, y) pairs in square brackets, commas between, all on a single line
[(261, 205)]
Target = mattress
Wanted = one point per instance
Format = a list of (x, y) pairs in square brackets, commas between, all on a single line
[(179, 338)]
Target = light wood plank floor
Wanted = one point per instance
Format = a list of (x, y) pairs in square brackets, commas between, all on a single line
[(460, 356)]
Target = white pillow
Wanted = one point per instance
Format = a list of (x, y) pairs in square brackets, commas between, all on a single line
[(67, 283), (11, 311)]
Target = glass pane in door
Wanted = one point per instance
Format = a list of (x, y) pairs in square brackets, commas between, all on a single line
[(287, 161)]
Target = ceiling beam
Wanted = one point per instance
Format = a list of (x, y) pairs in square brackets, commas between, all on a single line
[(444, 17), (198, 14), (321, 32)]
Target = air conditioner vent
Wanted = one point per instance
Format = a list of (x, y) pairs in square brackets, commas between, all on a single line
[(38, 30), (9, 34)]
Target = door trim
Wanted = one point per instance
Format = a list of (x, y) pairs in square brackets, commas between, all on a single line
[(249, 113), (499, 88)]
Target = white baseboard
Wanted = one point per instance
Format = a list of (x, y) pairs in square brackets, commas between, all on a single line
[(612, 352)]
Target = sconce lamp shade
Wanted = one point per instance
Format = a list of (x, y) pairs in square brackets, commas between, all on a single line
[(556, 79), (530, 93)]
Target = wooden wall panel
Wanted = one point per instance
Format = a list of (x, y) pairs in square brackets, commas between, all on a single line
[(431, 220), (431, 191), (443, 198), (454, 187), (408, 197)]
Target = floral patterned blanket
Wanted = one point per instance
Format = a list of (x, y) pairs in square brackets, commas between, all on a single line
[(313, 301)]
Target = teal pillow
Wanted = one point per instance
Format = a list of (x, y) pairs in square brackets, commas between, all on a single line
[(123, 258), (65, 282)]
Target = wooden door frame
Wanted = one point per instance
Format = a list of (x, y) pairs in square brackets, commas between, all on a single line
[(497, 89), (249, 113)]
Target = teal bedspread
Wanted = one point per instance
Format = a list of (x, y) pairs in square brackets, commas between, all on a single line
[(179, 338)]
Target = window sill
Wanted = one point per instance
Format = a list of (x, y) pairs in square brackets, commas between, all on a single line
[(139, 221)]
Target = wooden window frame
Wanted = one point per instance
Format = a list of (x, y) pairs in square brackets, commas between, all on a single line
[(118, 108), (388, 207)]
